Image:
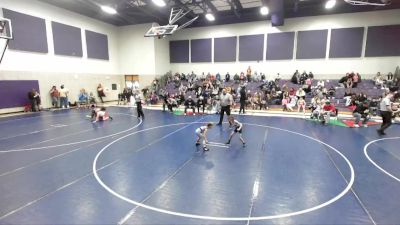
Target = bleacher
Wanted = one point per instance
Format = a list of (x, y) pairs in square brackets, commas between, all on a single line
[(366, 86)]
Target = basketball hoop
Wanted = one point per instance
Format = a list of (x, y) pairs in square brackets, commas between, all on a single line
[(369, 2), (5, 35), (161, 31)]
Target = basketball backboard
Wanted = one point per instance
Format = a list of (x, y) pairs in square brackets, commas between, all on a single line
[(5, 28), (160, 31)]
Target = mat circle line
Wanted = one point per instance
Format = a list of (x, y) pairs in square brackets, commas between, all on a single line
[(373, 162), (195, 216), (77, 142)]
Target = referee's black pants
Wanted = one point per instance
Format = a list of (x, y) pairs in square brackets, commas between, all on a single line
[(139, 110), (224, 109), (386, 120)]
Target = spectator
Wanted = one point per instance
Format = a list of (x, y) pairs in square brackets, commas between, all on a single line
[(292, 92), (263, 77), (227, 77), (83, 98), (236, 78), (301, 105), (361, 111), (328, 110), (55, 95), (292, 103), (343, 80), (92, 99), (296, 77), (389, 80), (242, 76), (201, 103), (172, 103), (300, 93), (100, 92), (379, 80), (356, 79), (218, 76), (248, 74), (190, 104), (243, 98), (32, 98), (64, 92), (349, 83), (320, 84)]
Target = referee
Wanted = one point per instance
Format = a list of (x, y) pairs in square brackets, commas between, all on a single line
[(226, 100), (386, 113)]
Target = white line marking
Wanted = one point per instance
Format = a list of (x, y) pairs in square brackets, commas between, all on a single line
[(194, 216), (256, 184), (352, 190), (109, 164), (220, 145), (74, 143), (373, 162), (49, 194), (58, 125), (216, 143), (163, 184), (48, 159), (38, 131)]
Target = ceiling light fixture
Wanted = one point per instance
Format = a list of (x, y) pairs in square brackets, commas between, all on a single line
[(108, 9), (210, 17), (330, 4), (159, 3), (264, 10)]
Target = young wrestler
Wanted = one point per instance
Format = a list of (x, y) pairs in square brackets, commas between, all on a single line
[(100, 114), (201, 133), (238, 128)]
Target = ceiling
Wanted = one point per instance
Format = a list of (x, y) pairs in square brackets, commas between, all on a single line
[(226, 11)]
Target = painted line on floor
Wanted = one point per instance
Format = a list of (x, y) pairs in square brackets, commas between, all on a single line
[(373, 162), (352, 190), (163, 184), (195, 216), (38, 131), (256, 184), (87, 175), (74, 143), (48, 159)]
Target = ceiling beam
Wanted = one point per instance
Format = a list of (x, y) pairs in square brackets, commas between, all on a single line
[(211, 6), (181, 5), (238, 5), (158, 15)]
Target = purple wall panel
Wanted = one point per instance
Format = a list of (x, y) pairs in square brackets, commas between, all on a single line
[(67, 40), (200, 50), (280, 46), (179, 51), (311, 44), (14, 93), (346, 42), (225, 49), (383, 41), (251, 47), (97, 45), (29, 32)]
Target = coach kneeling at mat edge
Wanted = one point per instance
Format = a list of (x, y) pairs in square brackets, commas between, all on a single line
[(226, 102)]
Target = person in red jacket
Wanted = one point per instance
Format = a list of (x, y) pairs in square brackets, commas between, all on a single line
[(328, 110)]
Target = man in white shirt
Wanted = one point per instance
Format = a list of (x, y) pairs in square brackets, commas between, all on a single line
[(64, 97), (226, 100), (386, 111)]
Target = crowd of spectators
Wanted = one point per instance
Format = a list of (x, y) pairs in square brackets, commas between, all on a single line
[(203, 92)]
